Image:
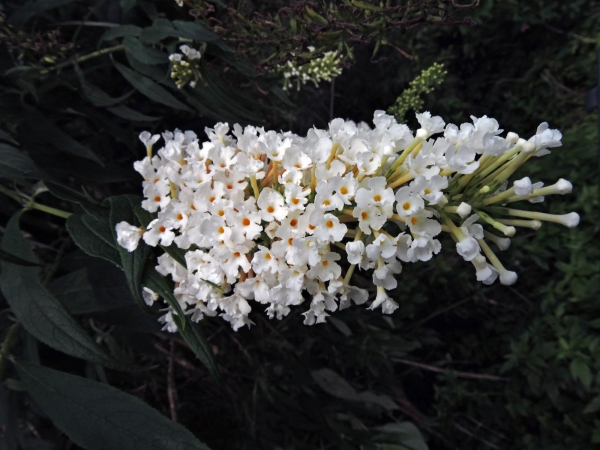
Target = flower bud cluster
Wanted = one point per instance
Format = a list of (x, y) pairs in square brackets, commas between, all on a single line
[(326, 68), (265, 218), (186, 66)]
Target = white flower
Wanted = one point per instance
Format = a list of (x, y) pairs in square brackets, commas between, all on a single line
[(159, 230), (326, 199), (408, 202), (327, 269), (345, 187), (369, 217), (355, 251), (148, 139), (545, 138), (388, 306), (329, 227), (270, 203), (128, 236), (523, 186), (462, 160), (376, 195), (430, 190), (429, 125), (149, 296), (296, 197)]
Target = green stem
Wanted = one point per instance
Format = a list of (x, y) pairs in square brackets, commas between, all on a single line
[(28, 204), (9, 341), (83, 58)]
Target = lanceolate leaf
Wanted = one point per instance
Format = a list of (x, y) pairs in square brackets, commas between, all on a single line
[(98, 417), (58, 138), (33, 7), (192, 334), (89, 242), (14, 163), (127, 113), (150, 89), (144, 53), (9, 257), (159, 284), (189, 331), (133, 263), (96, 95), (38, 310), (121, 31)]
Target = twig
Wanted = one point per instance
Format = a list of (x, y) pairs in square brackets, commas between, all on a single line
[(474, 436), (331, 100), (471, 5), (30, 204), (83, 58), (171, 389), (398, 49), (449, 371), (182, 362)]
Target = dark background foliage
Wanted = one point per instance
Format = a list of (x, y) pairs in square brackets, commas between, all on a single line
[(458, 365)]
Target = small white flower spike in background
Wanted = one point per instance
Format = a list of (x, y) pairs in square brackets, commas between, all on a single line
[(271, 220)]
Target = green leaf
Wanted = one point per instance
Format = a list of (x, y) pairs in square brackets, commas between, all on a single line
[(143, 216), (144, 53), (38, 310), (74, 291), (242, 65), (121, 31), (580, 370), (192, 335), (404, 433), (133, 263), (58, 138), (129, 114), (7, 137), (159, 284), (150, 89), (88, 241), (593, 406), (96, 95), (176, 253), (70, 195), (97, 416), (281, 95), (14, 163), (9, 257), (199, 33), (180, 29), (33, 8)]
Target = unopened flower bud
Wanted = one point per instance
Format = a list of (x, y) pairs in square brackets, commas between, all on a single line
[(463, 210), (563, 186), (512, 137), (508, 277), (570, 220)]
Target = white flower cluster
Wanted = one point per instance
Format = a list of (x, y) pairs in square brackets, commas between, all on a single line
[(185, 66), (326, 68), (267, 218)]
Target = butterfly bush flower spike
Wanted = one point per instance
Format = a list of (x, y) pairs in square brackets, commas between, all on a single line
[(275, 221)]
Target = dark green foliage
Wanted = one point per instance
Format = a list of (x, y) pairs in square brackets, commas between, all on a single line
[(97, 416), (459, 364)]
